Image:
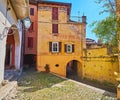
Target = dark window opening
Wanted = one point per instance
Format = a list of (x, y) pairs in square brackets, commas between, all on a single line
[(31, 27), (30, 42), (55, 13), (31, 11), (55, 29)]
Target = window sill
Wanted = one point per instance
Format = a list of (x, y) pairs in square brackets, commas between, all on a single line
[(55, 34)]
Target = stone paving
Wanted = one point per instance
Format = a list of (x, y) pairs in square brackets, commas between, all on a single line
[(68, 90), (12, 74)]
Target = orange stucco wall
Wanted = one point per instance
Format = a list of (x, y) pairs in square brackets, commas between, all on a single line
[(69, 33)]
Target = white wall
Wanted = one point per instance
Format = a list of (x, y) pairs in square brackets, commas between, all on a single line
[(11, 19), (18, 45)]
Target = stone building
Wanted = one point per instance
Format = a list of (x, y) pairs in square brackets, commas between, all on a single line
[(30, 46), (60, 41)]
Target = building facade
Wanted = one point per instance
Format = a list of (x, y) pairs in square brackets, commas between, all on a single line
[(11, 33), (30, 40), (60, 41)]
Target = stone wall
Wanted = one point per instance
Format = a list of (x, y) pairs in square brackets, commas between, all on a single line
[(8, 92), (100, 66)]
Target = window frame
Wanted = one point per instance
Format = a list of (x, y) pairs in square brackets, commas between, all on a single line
[(31, 27), (55, 29), (57, 47), (54, 13), (72, 47), (69, 46), (32, 11)]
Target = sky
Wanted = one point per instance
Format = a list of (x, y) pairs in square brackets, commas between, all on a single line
[(90, 9)]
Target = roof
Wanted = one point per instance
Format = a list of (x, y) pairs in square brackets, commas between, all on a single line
[(54, 3), (68, 5), (90, 41)]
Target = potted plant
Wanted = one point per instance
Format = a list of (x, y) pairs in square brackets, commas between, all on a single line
[(47, 68)]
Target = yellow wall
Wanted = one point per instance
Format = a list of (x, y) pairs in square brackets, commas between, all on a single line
[(94, 64), (69, 32), (100, 66)]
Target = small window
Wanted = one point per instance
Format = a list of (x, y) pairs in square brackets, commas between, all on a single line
[(31, 11), (30, 42), (54, 13), (31, 27), (55, 47), (55, 29), (69, 48)]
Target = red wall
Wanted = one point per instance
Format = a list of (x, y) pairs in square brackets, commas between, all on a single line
[(32, 33)]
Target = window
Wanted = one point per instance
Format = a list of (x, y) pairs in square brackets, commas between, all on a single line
[(30, 42), (54, 47), (31, 11), (69, 48), (31, 26), (54, 13), (55, 29)]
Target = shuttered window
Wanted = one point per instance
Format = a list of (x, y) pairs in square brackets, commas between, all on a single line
[(55, 47), (30, 42), (54, 13), (69, 48), (31, 27), (55, 29), (31, 11)]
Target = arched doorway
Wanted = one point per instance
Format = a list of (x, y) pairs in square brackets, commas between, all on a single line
[(74, 69), (12, 48)]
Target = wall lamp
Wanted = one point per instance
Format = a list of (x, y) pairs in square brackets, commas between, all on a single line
[(27, 22)]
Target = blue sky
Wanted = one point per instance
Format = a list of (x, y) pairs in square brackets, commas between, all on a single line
[(90, 9)]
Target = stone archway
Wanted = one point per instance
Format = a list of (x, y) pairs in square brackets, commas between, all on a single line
[(74, 69), (12, 48)]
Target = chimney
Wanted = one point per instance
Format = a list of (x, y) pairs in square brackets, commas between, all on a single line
[(84, 19)]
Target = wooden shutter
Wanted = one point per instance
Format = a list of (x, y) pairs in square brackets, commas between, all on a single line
[(54, 28), (60, 46), (31, 26), (50, 46), (30, 42), (65, 47), (73, 48), (31, 11), (55, 13)]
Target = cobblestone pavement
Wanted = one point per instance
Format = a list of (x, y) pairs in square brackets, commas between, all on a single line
[(12, 74), (65, 90), (69, 90)]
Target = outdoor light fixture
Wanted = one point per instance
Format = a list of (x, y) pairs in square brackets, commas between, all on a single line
[(27, 22)]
